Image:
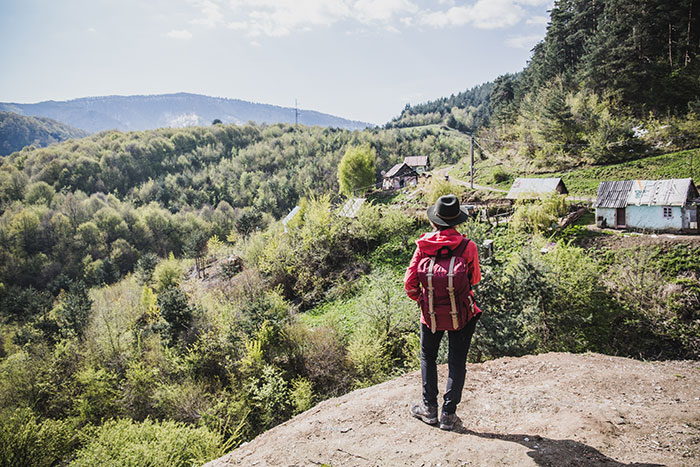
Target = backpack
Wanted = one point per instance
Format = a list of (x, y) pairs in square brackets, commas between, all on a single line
[(445, 300)]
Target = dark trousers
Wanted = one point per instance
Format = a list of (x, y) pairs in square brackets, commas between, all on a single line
[(459, 342)]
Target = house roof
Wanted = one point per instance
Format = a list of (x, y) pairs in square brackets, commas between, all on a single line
[(534, 187), (416, 161), (351, 207), (671, 192), (291, 215), (400, 169), (613, 194)]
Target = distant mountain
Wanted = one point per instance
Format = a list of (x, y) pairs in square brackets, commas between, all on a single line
[(18, 131), (169, 110)]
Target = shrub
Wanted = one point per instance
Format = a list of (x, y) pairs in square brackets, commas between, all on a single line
[(138, 388), (145, 267), (168, 274), (97, 399), (73, 310), (539, 216), (370, 357), (182, 402), (24, 440), (302, 395), (440, 187), (499, 175), (268, 395), (177, 313), (150, 443)]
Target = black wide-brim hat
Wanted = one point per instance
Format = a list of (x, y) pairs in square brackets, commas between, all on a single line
[(447, 212)]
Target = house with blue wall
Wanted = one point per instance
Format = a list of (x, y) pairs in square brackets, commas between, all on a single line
[(660, 205)]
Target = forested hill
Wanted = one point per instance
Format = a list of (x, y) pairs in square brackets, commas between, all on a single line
[(467, 111), (606, 73), (641, 55), (18, 131), (170, 110)]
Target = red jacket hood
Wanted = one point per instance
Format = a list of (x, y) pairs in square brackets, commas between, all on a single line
[(429, 243)]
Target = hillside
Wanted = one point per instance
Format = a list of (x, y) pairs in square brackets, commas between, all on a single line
[(584, 181), (549, 409), (18, 131), (169, 110)]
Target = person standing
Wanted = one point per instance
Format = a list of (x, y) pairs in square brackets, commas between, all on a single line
[(440, 277)]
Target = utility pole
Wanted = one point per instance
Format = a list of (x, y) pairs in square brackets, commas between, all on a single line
[(471, 169), (296, 113)]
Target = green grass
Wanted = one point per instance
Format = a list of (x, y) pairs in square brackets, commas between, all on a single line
[(673, 165), (584, 181)]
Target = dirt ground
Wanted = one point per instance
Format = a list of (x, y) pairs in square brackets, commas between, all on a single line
[(552, 409)]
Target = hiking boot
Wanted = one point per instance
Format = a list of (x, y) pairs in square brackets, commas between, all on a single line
[(425, 413), (448, 421)]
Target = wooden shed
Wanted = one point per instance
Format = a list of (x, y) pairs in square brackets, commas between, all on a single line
[(399, 176), (535, 188), (420, 164)]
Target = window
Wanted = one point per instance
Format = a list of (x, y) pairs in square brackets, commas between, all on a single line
[(668, 213)]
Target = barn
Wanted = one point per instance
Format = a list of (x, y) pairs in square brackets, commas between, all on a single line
[(663, 205)]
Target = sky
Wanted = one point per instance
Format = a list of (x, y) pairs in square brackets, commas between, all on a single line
[(358, 59)]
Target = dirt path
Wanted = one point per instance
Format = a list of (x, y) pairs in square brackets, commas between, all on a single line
[(445, 171), (551, 410)]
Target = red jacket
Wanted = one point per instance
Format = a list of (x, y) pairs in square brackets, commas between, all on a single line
[(428, 245)]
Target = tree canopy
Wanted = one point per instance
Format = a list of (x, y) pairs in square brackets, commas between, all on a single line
[(356, 171)]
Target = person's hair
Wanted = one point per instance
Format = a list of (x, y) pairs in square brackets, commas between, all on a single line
[(441, 227)]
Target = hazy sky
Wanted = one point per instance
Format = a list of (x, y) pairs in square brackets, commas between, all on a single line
[(357, 59)]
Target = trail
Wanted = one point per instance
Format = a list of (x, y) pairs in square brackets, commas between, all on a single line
[(553, 409), (445, 171)]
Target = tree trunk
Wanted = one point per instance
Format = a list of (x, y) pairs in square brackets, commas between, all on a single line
[(687, 39), (670, 47)]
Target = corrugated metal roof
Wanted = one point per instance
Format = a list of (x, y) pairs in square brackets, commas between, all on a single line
[(673, 192), (533, 187), (613, 194), (351, 207), (618, 194), (398, 168), (416, 161), (291, 215)]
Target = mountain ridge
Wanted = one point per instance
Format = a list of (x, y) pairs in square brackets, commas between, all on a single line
[(151, 111), (18, 131)]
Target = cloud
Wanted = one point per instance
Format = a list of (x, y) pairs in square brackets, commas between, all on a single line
[(91, 30), (523, 42), (211, 14), (484, 14), (277, 18), (183, 34), (537, 20), (368, 11)]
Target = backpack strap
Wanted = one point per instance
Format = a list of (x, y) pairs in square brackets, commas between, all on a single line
[(451, 292), (459, 251), (431, 310)]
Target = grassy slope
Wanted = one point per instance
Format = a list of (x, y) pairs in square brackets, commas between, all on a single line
[(585, 181)]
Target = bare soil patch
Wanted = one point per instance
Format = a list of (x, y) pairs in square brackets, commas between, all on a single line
[(552, 409)]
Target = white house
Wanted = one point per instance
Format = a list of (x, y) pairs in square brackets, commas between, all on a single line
[(670, 205)]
